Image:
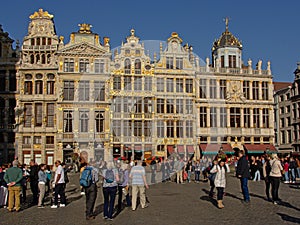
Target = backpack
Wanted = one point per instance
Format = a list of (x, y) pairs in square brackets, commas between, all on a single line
[(109, 176), (121, 176), (86, 178)]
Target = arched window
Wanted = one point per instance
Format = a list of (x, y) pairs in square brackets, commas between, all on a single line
[(43, 59), (68, 121), (50, 84), (32, 59), (32, 41), (127, 66), (99, 122), (137, 66), (84, 121)]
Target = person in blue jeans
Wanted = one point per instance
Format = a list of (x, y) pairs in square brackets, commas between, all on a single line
[(110, 187), (242, 172)]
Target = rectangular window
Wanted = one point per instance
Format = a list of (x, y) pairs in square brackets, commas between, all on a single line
[(169, 63), (2, 80), (189, 106), (49, 140), (117, 104), (160, 85), (99, 87), (69, 90), (179, 63), (246, 117), (11, 111), (256, 123), (137, 83), (179, 106), (39, 87), (235, 117), (189, 85), (148, 84), (170, 85), (37, 140), (50, 87), (213, 117), (127, 128), (189, 128), (160, 129), (283, 139), (203, 117), (170, 128), (223, 117), (282, 122), (50, 115), (213, 89), (117, 83), (27, 115), (84, 90), (127, 104), (265, 91), (68, 121), (179, 85), (27, 87), (99, 66), (138, 128), (84, 66), (232, 61), (127, 83), (179, 129), (27, 140), (116, 128), (160, 106), (255, 90), (222, 61), (265, 118), (147, 128), (170, 105), (246, 89), (84, 121), (223, 89), (202, 88), (138, 104), (68, 65), (12, 81)]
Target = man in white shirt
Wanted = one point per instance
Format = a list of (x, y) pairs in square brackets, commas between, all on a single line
[(59, 186)]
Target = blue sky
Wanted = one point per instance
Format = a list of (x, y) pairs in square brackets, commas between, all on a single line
[(269, 30)]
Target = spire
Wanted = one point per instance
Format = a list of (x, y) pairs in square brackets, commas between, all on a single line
[(226, 23)]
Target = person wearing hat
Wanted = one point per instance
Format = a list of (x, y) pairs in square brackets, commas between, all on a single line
[(13, 177)]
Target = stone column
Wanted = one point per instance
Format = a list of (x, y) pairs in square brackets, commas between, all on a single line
[(260, 118), (208, 117), (218, 116), (228, 117), (251, 90), (251, 117), (242, 118), (260, 90), (218, 88)]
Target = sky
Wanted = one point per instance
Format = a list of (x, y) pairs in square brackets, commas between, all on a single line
[(269, 30)]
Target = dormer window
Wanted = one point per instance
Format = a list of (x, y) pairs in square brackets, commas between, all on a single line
[(84, 65), (169, 63), (127, 66), (137, 66), (232, 61)]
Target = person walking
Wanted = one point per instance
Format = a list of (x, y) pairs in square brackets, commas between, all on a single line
[(13, 177), (275, 176), (42, 185), (211, 177), (139, 183), (220, 181), (59, 184), (242, 172), (110, 186), (266, 173)]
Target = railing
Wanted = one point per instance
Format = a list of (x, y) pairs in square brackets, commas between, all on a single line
[(68, 136), (49, 146), (26, 145), (203, 69), (39, 47)]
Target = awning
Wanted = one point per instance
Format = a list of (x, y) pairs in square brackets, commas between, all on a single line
[(138, 148), (170, 149), (180, 149), (190, 149), (214, 148), (259, 148), (148, 147)]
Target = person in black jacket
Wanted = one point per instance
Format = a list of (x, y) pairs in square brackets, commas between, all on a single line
[(34, 180), (243, 174)]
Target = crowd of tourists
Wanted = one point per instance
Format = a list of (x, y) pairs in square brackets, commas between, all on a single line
[(124, 182)]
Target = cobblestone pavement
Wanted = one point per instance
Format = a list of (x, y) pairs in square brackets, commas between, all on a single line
[(173, 204)]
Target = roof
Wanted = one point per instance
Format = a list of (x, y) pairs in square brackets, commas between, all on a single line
[(281, 85), (227, 39)]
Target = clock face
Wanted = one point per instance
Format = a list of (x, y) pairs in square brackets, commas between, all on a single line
[(117, 65)]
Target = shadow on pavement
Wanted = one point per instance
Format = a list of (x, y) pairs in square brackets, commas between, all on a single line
[(289, 218), (233, 196), (99, 209), (288, 205)]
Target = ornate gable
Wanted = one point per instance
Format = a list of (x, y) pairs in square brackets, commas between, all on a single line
[(82, 49)]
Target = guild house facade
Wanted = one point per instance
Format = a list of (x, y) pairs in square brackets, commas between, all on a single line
[(81, 95)]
